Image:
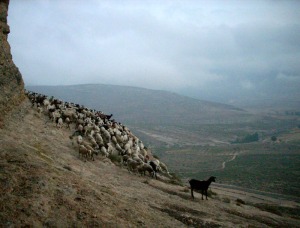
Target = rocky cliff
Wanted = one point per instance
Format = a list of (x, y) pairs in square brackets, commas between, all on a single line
[(11, 82)]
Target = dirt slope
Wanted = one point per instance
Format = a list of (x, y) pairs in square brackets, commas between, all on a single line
[(44, 183)]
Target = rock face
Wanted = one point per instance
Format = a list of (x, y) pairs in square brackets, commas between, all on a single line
[(11, 82)]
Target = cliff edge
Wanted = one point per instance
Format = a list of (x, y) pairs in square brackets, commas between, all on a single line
[(11, 81)]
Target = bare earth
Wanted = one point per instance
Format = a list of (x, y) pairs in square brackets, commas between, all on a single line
[(44, 183)]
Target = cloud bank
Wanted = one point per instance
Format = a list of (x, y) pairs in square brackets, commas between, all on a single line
[(212, 49)]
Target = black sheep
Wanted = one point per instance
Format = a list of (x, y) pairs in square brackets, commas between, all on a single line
[(201, 185), (155, 167)]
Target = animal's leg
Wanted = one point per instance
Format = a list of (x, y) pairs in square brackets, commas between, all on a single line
[(192, 193), (206, 194), (202, 194)]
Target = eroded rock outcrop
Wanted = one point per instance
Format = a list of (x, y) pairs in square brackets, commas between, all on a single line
[(11, 82)]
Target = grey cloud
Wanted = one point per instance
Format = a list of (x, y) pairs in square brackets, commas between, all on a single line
[(196, 45)]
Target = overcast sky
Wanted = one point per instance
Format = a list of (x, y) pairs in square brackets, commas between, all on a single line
[(193, 47)]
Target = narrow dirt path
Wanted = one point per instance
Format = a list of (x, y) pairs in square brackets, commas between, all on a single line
[(233, 158)]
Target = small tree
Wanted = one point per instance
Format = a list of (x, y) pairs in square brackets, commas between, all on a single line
[(274, 138)]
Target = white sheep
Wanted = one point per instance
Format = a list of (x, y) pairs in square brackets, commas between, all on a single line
[(55, 115), (114, 140), (84, 152), (111, 149), (89, 147), (106, 135), (93, 142), (164, 168), (103, 151), (68, 121), (79, 139), (99, 138)]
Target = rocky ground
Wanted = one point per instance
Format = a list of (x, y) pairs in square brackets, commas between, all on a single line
[(44, 183)]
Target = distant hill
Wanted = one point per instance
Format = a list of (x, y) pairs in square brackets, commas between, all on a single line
[(139, 106)]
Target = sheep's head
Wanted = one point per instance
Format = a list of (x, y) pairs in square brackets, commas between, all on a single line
[(213, 179)]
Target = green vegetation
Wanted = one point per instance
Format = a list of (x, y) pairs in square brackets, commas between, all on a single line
[(249, 138), (115, 158), (273, 138)]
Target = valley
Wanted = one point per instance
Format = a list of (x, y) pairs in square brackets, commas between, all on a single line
[(198, 139)]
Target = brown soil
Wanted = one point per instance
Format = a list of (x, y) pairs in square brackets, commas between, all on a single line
[(44, 183)]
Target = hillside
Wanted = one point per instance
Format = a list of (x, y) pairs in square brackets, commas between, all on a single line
[(158, 108), (44, 183)]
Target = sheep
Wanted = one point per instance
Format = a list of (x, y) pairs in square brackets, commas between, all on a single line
[(99, 139), (143, 152), (141, 145), (119, 149), (87, 128), (145, 167), (127, 146), (39, 108), (67, 121), (156, 168), (46, 102), (104, 152), (84, 152), (164, 168), (111, 149), (106, 135), (201, 185), (79, 139), (89, 147), (59, 123), (80, 129), (125, 158), (114, 140), (93, 141), (93, 128), (136, 148), (132, 164), (119, 139), (54, 115)]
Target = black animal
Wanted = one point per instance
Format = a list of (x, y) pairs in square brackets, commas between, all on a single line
[(155, 167), (201, 185)]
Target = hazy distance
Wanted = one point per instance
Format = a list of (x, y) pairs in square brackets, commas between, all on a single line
[(224, 51)]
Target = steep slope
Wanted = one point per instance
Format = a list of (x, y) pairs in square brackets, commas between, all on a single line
[(44, 183), (157, 107), (11, 82)]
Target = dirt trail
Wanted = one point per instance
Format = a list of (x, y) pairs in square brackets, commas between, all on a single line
[(44, 183), (233, 157)]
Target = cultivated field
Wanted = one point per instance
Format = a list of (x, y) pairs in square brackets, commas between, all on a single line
[(265, 165)]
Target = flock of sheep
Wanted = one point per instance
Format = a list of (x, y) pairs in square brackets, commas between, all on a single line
[(96, 133)]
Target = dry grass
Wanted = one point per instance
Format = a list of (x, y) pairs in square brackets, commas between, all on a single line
[(44, 183)]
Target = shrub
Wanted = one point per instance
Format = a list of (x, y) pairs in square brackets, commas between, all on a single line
[(115, 158), (273, 138), (239, 202)]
